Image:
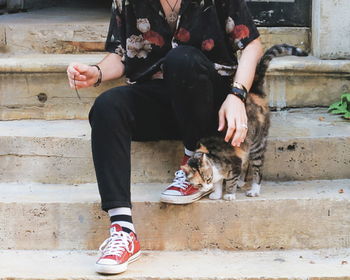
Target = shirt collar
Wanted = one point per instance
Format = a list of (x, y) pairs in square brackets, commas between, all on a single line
[(157, 6)]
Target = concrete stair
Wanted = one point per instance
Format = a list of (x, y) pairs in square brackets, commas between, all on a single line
[(55, 30), (82, 29), (275, 265), (33, 60), (36, 87), (304, 144), (289, 215)]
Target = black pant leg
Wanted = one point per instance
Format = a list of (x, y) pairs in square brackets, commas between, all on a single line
[(139, 112), (197, 92)]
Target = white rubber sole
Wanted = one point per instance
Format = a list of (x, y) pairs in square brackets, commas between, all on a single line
[(116, 269), (179, 199)]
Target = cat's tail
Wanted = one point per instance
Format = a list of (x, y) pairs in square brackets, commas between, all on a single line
[(275, 51)]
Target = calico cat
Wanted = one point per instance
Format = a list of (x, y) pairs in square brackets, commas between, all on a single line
[(216, 163)]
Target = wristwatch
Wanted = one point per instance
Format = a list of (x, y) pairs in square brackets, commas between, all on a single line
[(240, 91)]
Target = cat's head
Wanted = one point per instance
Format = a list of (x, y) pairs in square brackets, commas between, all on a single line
[(199, 171)]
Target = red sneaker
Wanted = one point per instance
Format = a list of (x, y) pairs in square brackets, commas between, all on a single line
[(181, 191), (117, 251)]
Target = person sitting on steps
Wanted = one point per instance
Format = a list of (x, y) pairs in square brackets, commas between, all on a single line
[(179, 57)]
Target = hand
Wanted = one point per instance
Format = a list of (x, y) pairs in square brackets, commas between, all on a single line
[(232, 115), (85, 75)]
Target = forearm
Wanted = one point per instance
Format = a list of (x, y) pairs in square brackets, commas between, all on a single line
[(111, 67), (247, 64)]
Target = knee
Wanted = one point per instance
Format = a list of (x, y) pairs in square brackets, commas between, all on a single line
[(182, 59), (108, 103)]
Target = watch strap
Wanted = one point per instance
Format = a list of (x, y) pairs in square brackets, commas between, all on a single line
[(240, 93)]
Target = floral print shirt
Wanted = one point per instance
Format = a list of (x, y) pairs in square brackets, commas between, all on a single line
[(140, 34)]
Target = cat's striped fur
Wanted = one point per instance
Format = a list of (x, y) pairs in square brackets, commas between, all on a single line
[(216, 163), (275, 51)]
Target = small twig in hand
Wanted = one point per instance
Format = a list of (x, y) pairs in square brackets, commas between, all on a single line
[(76, 90)]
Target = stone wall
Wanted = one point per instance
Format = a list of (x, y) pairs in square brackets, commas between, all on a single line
[(331, 29)]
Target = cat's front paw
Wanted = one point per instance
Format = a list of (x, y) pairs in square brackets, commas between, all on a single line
[(254, 192), (215, 196), (206, 187), (230, 196)]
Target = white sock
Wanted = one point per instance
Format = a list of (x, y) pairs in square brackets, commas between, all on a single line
[(189, 153), (122, 216)]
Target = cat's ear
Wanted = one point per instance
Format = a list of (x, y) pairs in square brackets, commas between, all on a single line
[(204, 159), (202, 149), (196, 160), (186, 168), (198, 156)]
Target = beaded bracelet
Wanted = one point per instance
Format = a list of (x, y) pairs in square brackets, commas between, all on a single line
[(99, 80)]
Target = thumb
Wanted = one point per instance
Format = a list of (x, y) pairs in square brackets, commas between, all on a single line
[(81, 68), (221, 120)]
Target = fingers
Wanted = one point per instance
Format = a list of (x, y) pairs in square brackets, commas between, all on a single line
[(222, 121), (72, 71), (233, 113), (239, 136), (76, 77), (78, 85), (236, 130), (231, 127), (241, 131), (81, 68)]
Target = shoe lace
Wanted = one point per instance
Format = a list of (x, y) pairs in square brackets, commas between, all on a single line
[(116, 244), (180, 180)]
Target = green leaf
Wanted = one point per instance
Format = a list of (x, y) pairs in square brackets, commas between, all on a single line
[(346, 96), (335, 106), (338, 111), (342, 107), (347, 116)]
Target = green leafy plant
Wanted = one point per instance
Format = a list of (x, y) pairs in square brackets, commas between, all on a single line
[(342, 107)]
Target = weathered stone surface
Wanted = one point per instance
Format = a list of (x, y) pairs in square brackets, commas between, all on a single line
[(306, 82), (296, 36), (291, 82), (23, 81), (19, 97), (211, 265), (288, 215), (84, 30), (2, 36), (56, 30), (331, 29), (59, 151)]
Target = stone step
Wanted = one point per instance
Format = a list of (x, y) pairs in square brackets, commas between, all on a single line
[(275, 265), (36, 87), (55, 30), (289, 215), (84, 29), (306, 144)]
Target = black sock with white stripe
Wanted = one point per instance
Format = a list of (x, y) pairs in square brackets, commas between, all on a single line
[(122, 217)]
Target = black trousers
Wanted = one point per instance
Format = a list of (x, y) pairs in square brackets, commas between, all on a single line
[(184, 105)]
